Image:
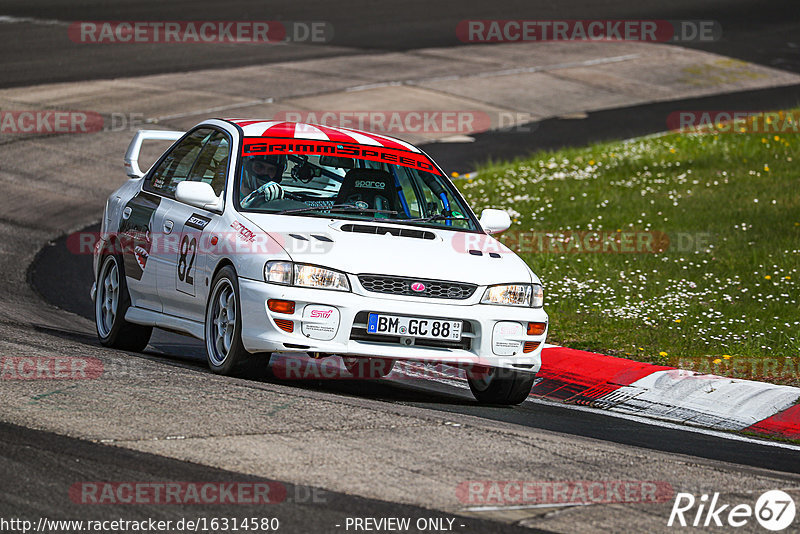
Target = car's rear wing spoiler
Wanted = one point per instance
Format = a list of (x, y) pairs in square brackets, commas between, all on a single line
[(132, 155)]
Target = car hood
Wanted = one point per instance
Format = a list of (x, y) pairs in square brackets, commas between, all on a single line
[(393, 249)]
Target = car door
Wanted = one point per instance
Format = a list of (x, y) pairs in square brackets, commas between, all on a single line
[(143, 227), (139, 226), (183, 277)]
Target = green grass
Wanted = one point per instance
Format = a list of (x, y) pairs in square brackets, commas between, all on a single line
[(722, 297)]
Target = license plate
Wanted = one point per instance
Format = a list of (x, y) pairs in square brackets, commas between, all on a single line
[(414, 327)]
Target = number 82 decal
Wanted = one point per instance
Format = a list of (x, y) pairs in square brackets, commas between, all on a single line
[(188, 251)]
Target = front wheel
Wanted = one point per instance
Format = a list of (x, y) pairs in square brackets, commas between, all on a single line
[(225, 352), (111, 301), (500, 386)]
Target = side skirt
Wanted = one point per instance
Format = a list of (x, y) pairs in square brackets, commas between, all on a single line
[(167, 322)]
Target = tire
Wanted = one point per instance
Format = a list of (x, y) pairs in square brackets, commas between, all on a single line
[(500, 386), (225, 352), (111, 301), (368, 367)]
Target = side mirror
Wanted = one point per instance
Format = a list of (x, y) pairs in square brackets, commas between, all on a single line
[(495, 221), (199, 195)]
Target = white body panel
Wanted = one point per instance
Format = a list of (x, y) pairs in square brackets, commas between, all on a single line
[(164, 298)]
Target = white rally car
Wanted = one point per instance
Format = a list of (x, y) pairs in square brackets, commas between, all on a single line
[(265, 236)]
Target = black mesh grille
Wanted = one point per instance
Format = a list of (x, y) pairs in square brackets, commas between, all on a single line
[(436, 289)]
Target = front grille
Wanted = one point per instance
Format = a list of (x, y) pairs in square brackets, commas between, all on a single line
[(436, 289), (359, 333)]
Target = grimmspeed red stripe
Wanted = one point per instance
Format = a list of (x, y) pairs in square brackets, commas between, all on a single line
[(254, 146)]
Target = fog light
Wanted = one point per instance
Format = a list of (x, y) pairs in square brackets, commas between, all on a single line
[(285, 325), (536, 329), (281, 306), (530, 346)]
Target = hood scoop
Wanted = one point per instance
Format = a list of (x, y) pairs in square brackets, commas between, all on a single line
[(382, 230)]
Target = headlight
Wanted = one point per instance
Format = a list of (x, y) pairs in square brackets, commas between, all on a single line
[(278, 272), (508, 295), (311, 276), (537, 296), (300, 274)]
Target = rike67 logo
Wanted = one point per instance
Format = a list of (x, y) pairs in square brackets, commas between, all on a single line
[(774, 510)]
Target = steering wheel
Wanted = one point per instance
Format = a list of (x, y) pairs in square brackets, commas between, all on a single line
[(289, 200)]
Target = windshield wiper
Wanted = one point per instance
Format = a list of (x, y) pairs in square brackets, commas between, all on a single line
[(437, 217), (337, 207)]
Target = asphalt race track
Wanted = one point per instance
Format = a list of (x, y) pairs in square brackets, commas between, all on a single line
[(56, 262), (757, 32), (383, 448)]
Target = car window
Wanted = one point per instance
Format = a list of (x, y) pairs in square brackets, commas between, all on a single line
[(399, 193), (211, 164), (175, 168)]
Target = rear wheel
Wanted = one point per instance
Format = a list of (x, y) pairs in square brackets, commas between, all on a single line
[(492, 385), (111, 301), (225, 352), (368, 367)]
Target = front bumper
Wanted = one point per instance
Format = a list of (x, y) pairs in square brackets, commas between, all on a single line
[(345, 328)]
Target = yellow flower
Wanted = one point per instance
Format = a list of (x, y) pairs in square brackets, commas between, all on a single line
[(677, 320), (763, 139), (768, 277), (454, 174), (717, 361), (662, 353), (591, 162), (788, 277), (640, 348), (672, 150), (766, 168), (776, 138), (726, 356)]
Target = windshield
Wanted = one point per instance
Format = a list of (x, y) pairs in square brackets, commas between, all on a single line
[(350, 188)]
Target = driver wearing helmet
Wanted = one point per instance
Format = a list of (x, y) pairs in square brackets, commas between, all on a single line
[(260, 178)]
